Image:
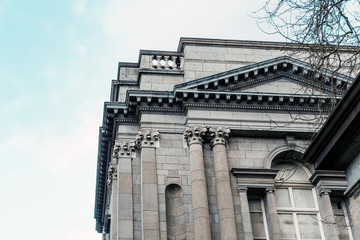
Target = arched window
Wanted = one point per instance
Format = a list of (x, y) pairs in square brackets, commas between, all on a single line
[(296, 202)]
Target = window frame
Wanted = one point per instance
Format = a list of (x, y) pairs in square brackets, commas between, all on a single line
[(293, 210)]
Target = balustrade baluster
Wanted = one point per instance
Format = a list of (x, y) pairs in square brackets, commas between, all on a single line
[(158, 58), (166, 59)]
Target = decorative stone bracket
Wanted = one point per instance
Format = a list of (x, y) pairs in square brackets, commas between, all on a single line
[(147, 138), (330, 182)]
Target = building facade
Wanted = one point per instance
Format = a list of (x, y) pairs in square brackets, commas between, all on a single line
[(208, 142)]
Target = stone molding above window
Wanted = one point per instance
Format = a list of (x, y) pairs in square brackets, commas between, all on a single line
[(329, 180), (254, 178)]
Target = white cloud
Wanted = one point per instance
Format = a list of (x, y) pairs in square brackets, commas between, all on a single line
[(79, 7), (80, 49)]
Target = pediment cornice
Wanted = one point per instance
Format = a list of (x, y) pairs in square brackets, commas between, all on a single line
[(270, 69)]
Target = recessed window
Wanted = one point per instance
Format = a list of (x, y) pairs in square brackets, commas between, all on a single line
[(296, 201), (258, 218)]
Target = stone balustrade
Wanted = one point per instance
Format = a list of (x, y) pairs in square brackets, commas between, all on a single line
[(167, 62)]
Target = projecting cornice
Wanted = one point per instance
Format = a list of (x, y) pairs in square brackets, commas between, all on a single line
[(184, 41), (266, 71)]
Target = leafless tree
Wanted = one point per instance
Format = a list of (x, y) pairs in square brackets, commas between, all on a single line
[(329, 29), (327, 33)]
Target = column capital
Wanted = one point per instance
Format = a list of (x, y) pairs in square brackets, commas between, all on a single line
[(242, 189), (111, 175), (103, 233), (324, 191), (219, 135), (270, 190), (195, 134), (147, 138), (124, 149)]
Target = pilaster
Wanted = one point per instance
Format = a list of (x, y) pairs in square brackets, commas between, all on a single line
[(329, 183), (124, 152), (112, 184), (147, 141)]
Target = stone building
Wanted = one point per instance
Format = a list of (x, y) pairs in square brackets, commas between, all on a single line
[(208, 142)]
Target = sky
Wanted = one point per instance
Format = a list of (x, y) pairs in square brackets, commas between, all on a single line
[(57, 60)]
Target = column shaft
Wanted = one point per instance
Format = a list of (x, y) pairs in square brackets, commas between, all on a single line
[(223, 193), (331, 232), (245, 214), (272, 215), (199, 192)]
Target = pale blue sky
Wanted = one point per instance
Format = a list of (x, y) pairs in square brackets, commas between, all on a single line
[(57, 60)]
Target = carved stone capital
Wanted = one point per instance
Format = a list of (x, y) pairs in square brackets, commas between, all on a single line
[(219, 135), (195, 134), (103, 233), (242, 189), (147, 138), (124, 149), (270, 190), (112, 175), (324, 191)]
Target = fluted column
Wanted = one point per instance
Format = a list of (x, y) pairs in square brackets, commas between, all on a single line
[(148, 141), (194, 137), (218, 139), (328, 217), (272, 214), (245, 214), (124, 152), (112, 184)]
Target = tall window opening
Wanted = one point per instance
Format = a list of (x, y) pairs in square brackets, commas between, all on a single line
[(296, 201), (258, 217), (175, 219)]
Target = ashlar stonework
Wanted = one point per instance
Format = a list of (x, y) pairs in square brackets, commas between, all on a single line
[(207, 142)]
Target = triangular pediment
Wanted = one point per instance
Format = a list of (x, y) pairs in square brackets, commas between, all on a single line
[(284, 75), (280, 84)]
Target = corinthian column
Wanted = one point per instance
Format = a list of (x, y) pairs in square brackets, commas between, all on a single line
[(194, 137), (223, 189)]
